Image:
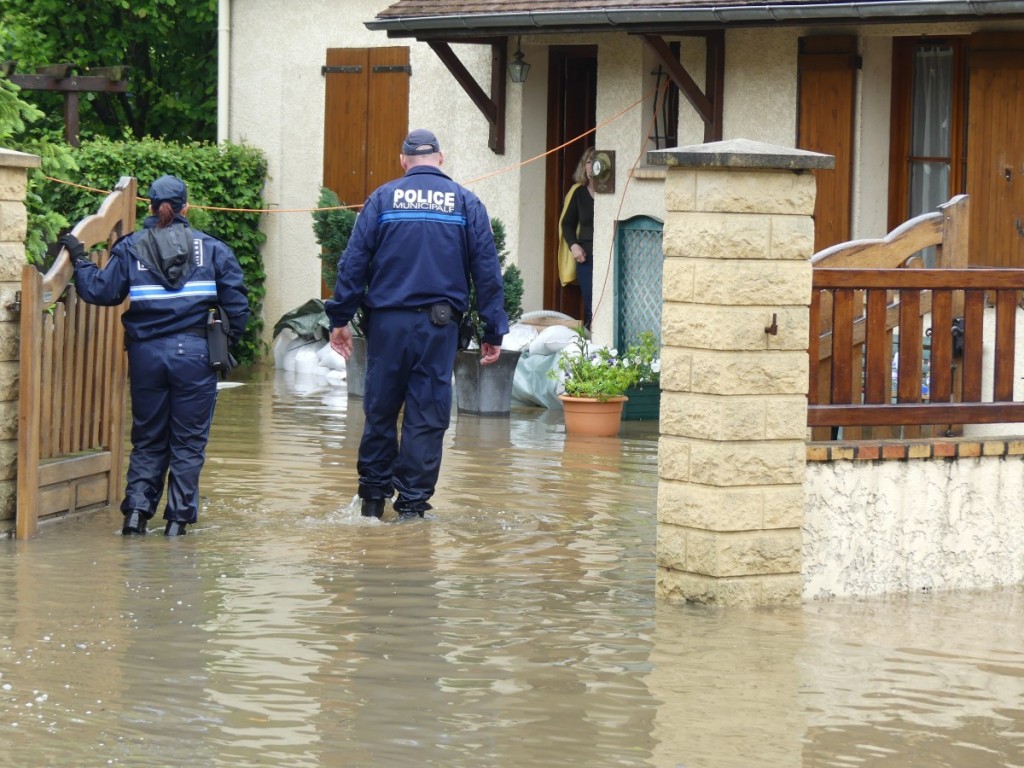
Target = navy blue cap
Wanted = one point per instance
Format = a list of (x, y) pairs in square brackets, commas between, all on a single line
[(420, 142), (169, 189)]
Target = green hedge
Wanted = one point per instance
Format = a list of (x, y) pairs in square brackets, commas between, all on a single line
[(223, 176)]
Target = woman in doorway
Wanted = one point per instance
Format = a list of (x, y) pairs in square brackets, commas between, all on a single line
[(578, 229)]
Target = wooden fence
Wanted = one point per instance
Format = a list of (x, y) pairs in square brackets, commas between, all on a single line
[(73, 381), (864, 316)]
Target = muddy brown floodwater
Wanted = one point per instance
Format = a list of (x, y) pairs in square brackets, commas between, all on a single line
[(518, 627)]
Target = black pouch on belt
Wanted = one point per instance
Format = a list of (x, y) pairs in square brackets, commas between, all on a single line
[(217, 339), (441, 314)]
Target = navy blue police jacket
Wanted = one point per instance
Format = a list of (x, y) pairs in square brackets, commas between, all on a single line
[(415, 243), (156, 308)]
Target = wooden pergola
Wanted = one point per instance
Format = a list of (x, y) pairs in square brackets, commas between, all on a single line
[(59, 78)]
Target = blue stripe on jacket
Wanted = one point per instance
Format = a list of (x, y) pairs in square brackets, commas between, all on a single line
[(158, 292), (440, 218)]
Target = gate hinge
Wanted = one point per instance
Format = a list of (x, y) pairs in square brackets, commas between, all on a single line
[(407, 68), (353, 69)]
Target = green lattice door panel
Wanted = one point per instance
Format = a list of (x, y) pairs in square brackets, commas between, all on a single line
[(639, 259)]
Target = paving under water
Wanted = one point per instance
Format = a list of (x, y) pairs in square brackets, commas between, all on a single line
[(518, 626)]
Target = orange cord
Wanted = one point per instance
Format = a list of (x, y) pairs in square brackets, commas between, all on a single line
[(347, 207)]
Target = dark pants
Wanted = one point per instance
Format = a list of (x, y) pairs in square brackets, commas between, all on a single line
[(173, 393), (409, 363), (585, 279)]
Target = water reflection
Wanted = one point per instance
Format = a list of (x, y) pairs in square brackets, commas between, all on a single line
[(517, 627)]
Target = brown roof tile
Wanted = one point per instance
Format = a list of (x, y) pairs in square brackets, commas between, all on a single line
[(407, 8), (502, 17), (434, 8)]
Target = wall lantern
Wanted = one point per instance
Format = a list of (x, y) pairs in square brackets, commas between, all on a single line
[(518, 69)]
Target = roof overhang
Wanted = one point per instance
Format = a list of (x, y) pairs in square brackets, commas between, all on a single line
[(695, 16)]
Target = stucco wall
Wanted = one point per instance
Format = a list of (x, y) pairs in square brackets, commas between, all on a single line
[(760, 86), (884, 527), (276, 102)]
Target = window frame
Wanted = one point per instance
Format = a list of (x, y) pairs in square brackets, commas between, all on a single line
[(901, 121)]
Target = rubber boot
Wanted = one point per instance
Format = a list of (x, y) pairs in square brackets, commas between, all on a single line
[(175, 528), (407, 509), (134, 524), (372, 508)]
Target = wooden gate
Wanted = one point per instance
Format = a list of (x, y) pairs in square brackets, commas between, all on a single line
[(866, 292), (73, 377)]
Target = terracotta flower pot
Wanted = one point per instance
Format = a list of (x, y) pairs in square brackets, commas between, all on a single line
[(592, 417)]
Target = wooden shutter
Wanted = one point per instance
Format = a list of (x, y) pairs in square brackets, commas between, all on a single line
[(827, 69), (366, 115)]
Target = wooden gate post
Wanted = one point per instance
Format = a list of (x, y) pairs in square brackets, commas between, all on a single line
[(738, 238), (13, 227)]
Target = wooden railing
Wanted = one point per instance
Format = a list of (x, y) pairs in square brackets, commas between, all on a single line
[(72, 381), (871, 305)]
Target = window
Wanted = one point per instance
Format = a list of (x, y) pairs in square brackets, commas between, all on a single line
[(927, 125), (662, 119)]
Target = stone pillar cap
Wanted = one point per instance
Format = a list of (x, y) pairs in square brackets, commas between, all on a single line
[(11, 159), (741, 153)]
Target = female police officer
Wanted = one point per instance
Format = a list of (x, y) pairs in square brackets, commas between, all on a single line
[(172, 275)]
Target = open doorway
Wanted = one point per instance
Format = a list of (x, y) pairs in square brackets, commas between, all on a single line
[(572, 110)]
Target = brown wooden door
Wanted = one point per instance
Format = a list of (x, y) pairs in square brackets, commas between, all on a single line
[(366, 116), (827, 71), (995, 158), (572, 110)]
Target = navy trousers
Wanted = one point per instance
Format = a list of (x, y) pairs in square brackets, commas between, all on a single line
[(409, 365), (585, 279), (173, 391)]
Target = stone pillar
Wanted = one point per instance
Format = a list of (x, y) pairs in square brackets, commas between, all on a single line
[(738, 237), (13, 226)]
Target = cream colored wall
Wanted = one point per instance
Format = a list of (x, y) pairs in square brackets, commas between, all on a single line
[(760, 86), (620, 83), (511, 185), (623, 77), (871, 140), (276, 103), (529, 102)]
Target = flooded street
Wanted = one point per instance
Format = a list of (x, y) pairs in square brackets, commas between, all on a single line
[(518, 627)]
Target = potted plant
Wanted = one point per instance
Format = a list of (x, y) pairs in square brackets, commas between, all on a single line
[(487, 390), (332, 226), (645, 396), (595, 383)]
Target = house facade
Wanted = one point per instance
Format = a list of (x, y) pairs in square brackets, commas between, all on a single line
[(917, 101)]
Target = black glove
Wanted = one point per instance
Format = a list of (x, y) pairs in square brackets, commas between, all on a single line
[(75, 248)]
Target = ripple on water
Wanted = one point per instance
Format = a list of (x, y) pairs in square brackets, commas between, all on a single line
[(516, 626)]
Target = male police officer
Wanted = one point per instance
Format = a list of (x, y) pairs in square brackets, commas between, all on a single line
[(412, 251)]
